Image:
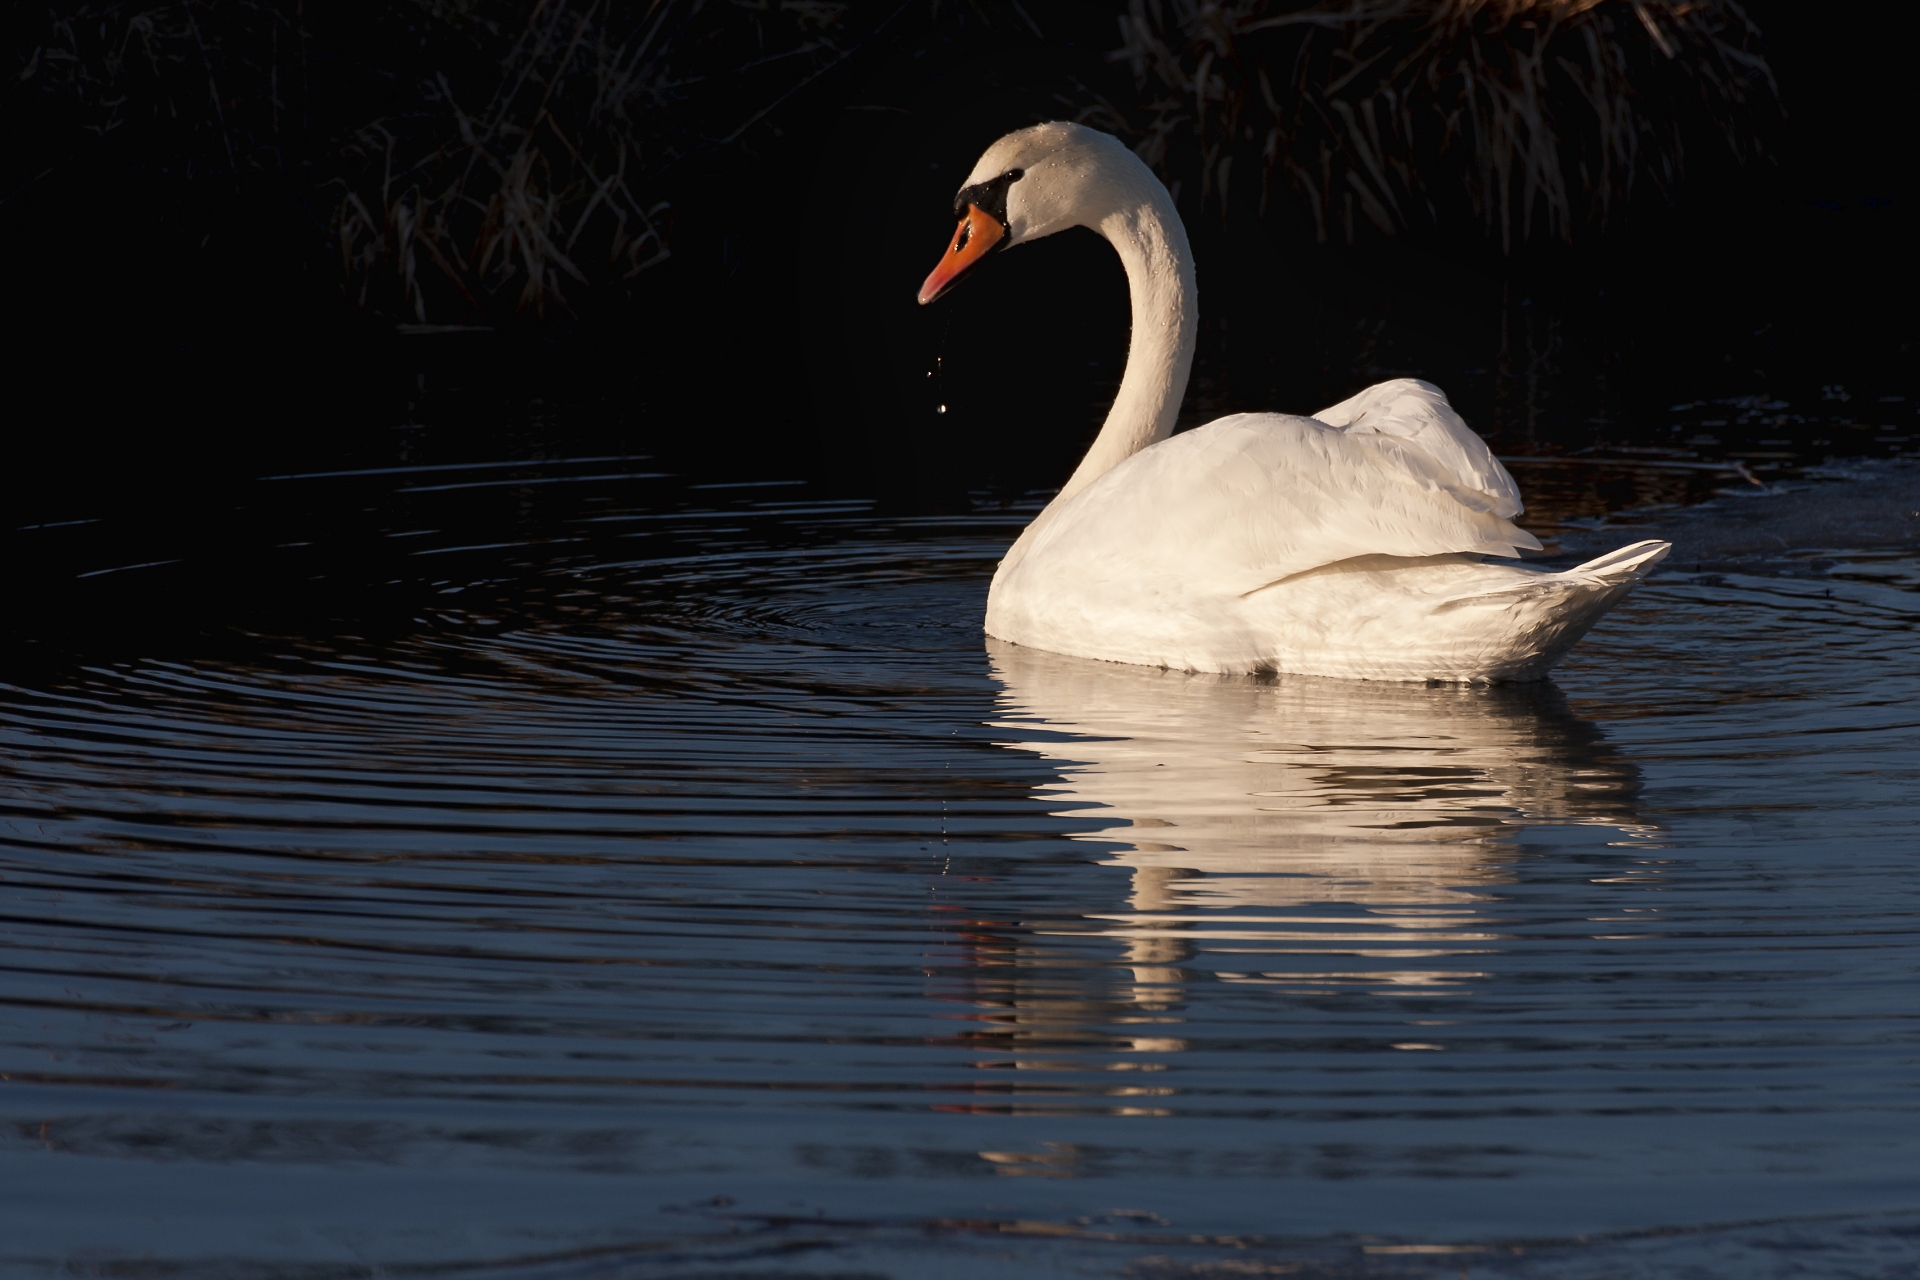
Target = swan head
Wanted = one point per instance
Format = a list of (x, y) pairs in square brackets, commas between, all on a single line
[(1030, 184)]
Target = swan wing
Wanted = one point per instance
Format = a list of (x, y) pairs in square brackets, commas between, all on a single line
[(1417, 412), (1247, 500)]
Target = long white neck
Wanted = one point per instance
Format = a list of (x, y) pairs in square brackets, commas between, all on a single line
[(1153, 248), (1140, 221)]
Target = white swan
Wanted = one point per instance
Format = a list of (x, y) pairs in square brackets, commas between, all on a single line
[(1345, 544)]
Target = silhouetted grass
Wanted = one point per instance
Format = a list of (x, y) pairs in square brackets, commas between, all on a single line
[(1532, 116), (466, 161), (466, 158), (543, 169)]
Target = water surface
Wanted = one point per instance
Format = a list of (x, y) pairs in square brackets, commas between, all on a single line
[(595, 871)]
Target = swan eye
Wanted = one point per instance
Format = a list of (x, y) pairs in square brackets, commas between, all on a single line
[(990, 195)]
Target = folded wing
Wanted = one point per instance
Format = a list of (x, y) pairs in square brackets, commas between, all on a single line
[(1417, 412), (1250, 499)]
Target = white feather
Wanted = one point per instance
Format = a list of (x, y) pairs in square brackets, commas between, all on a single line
[(1345, 544)]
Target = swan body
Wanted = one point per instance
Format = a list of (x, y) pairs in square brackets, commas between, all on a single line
[(1347, 544)]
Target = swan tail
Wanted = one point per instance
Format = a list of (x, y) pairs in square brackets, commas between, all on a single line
[(1605, 577), (1628, 564), (1523, 626)]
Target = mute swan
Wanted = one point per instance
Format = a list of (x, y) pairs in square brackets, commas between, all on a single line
[(1345, 544)]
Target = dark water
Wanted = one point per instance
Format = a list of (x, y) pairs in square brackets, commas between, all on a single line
[(667, 880)]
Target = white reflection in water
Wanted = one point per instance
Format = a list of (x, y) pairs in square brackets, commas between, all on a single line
[(1304, 835)]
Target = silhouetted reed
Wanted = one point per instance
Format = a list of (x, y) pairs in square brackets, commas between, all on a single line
[(540, 172), (1531, 116), (189, 87), (469, 160)]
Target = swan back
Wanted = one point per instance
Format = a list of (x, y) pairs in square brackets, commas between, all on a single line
[(1417, 412)]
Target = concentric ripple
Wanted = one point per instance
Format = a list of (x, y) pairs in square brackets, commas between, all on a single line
[(675, 844)]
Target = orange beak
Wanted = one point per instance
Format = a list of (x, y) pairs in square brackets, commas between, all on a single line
[(978, 232)]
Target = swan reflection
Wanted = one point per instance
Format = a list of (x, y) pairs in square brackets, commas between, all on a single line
[(1233, 791), (1306, 836)]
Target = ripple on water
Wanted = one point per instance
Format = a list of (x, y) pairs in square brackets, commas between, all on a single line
[(727, 861)]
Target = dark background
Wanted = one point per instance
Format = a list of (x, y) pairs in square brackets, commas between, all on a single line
[(175, 333)]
